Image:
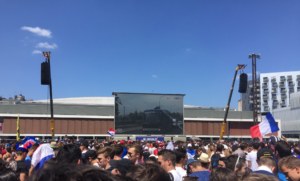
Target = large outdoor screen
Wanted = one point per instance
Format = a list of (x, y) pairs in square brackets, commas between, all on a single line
[(142, 113)]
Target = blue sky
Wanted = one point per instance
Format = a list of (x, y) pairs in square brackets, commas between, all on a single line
[(160, 46)]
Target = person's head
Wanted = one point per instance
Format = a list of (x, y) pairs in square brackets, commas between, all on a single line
[(243, 146), (53, 172), (91, 158), (197, 165), (135, 153), (84, 144), (255, 145), (148, 172), (120, 167), (90, 173), (69, 153), (166, 159), (259, 177), (6, 173), (104, 156), (181, 156), (222, 174), (290, 166), (241, 169), (282, 149), (220, 147), (118, 150), (268, 162), (32, 149)]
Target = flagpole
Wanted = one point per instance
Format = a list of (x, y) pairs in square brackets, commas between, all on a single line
[(18, 128)]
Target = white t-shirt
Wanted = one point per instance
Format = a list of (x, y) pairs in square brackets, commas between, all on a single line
[(181, 171), (176, 176), (252, 156)]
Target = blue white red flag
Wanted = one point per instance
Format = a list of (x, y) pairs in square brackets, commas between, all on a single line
[(43, 153), (111, 132), (27, 143), (266, 126)]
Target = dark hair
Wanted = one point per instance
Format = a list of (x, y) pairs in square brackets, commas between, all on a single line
[(255, 145), (69, 153), (91, 173), (259, 177), (283, 149), (180, 154), (6, 174), (117, 149), (148, 172), (222, 174), (168, 155), (53, 172)]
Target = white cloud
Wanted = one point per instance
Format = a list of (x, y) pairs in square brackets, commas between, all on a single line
[(46, 45), (38, 31), (154, 76), (36, 52)]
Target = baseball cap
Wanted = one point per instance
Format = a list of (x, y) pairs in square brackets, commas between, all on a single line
[(265, 152)]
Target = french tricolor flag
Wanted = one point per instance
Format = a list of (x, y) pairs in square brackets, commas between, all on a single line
[(43, 153), (266, 126), (111, 132)]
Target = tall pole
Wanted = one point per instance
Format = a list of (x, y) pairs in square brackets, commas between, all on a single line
[(254, 86), (52, 123), (239, 67)]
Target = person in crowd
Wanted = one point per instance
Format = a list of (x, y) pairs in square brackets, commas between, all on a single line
[(6, 174), (135, 154), (222, 174), (282, 149), (259, 177), (241, 151), (84, 147), (266, 165), (214, 160), (118, 151), (191, 152), (252, 157), (22, 168), (69, 153), (148, 172), (200, 168), (91, 158), (290, 167), (104, 156), (167, 160), (30, 153), (57, 171), (120, 167), (181, 159), (241, 170)]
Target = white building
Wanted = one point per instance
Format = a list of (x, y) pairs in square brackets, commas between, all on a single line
[(275, 89), (290, 116)]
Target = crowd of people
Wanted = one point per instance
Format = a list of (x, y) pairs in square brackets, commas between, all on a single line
[(90, 160)]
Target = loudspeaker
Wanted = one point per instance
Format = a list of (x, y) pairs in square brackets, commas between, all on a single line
[(45, 73), (243, 83)]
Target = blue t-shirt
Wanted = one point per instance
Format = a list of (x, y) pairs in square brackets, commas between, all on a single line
[(202, 175)]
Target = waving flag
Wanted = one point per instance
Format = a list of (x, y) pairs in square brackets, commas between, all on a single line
[(111, 132), (43, 153), (268, 125), (26, 143)]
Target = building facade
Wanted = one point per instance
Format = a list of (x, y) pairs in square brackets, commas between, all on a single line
[(276, 89), (93, 117), (273, 91)]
